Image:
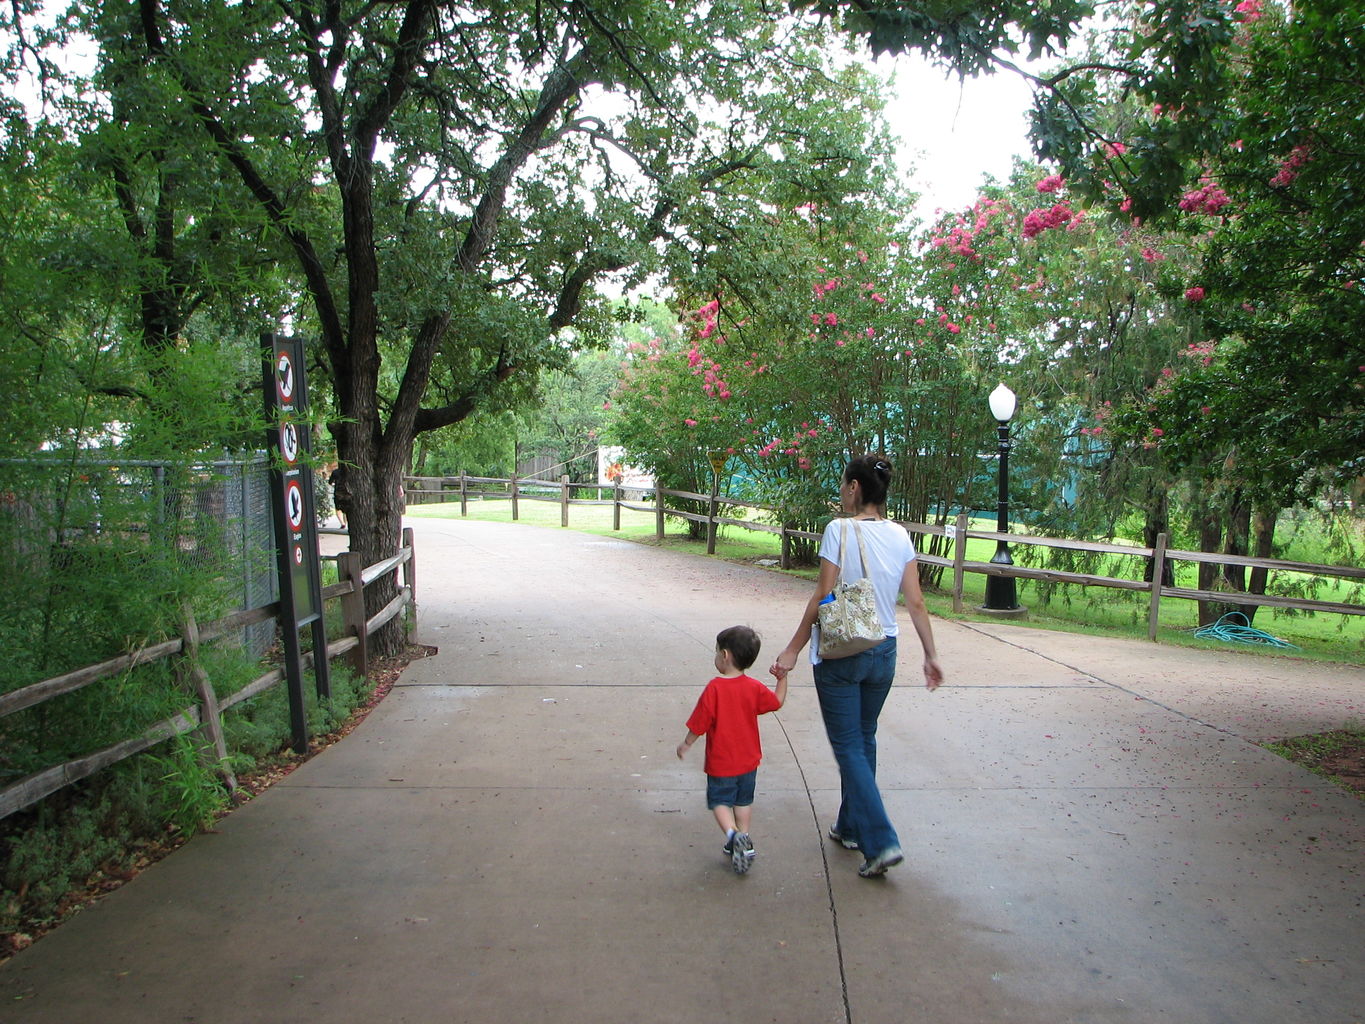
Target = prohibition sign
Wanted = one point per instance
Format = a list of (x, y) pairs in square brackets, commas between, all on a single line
[(289, 442), (284, 376), (293, 505)]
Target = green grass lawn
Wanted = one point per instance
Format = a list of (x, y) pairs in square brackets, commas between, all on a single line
[(1095, 610)]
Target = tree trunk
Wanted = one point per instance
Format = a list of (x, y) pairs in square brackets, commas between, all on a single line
[(1209, 526), (1157, 523), (1263, 546)]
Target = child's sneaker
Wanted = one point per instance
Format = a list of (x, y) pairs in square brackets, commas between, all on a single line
[(741, 852)]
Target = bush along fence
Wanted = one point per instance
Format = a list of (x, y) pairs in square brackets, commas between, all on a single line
[(954, 536), (203, 715)]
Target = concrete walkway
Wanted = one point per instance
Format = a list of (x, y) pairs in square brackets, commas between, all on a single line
[(1091, 833)]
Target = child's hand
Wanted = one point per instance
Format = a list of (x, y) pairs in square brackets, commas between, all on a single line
[(683, 748)]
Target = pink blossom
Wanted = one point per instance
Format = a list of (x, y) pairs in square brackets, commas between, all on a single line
[(1038, 221), (606, 405), (1052, 183), (1250, 10), (871, 332), (690, 422), (1151, 255), (803, 463), (954, 329), (878, 298), (1127, 204), (1209, 199), (832, 319), (1195, 294), (1158, 432), (1289, 167)]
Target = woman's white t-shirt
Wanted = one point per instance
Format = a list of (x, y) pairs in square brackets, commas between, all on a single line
[(888, 550)]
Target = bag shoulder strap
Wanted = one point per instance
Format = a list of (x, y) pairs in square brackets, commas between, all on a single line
[(843, 548)]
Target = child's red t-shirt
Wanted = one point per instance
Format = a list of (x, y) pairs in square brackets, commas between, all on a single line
[(727, 715)]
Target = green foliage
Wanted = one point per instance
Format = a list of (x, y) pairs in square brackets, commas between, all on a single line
[(970, 38), (57, 846), (258, 729), (188, 787)]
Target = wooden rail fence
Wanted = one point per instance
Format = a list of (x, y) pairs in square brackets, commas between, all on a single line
[(205, 712), (464, 488)]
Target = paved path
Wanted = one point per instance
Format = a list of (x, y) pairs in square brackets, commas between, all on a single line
[(1091, 834)]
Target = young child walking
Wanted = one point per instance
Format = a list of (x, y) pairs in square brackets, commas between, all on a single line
[(727, 715)]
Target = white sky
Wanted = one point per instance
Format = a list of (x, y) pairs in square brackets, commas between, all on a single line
[(956, 132)]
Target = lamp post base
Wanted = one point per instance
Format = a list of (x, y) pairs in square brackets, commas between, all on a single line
[(1003, 613)]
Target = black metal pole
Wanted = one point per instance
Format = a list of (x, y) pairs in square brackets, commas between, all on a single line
[(1000, 590)]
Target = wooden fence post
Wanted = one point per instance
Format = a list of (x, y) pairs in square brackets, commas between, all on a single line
[(1158, 574), (711, 514), (959, 556), (658, 513), (464, 494), (351, 566), (787, 545), (210, 722), (616, 506), (564, 501), (410, 581), (513, 483)]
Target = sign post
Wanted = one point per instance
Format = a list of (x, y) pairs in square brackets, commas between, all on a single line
[(296, 539)]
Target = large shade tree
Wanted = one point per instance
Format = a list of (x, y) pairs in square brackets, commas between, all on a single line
[(445, 183)]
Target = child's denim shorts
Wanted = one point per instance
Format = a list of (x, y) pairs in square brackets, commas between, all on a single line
[(730, 790)]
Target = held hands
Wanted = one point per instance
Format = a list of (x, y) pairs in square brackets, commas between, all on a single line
[(783, 664)]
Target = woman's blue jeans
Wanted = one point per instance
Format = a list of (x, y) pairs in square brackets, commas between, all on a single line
[(852, 691)]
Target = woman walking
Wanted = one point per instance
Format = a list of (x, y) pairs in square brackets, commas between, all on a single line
[(853, 689)]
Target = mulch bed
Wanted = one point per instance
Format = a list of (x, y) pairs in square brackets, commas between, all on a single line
[(1344, 763)]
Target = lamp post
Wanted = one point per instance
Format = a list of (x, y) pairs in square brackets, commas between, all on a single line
[(1000, 592)]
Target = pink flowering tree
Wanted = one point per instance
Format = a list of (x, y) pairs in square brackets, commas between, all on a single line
[(1269, 416), (791, 378)]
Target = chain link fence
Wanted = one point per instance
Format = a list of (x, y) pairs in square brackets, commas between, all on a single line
[(70, 517)]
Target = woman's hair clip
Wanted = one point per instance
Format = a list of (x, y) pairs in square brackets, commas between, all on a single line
[(883, 466)]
